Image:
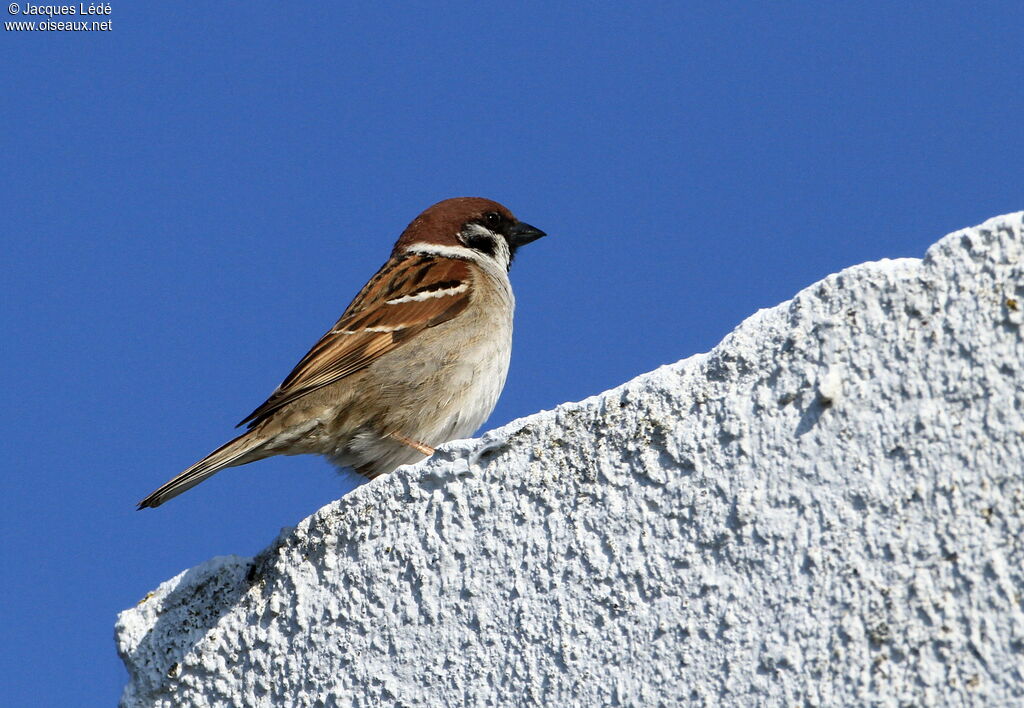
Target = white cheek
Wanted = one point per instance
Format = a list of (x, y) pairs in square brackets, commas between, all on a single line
[(502, 256)]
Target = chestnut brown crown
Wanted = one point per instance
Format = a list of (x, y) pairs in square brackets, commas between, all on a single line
[(466, 221)]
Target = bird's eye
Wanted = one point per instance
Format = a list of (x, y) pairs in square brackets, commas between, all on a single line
[(492, 219)]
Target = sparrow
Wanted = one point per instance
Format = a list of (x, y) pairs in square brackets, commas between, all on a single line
[(417, 359)]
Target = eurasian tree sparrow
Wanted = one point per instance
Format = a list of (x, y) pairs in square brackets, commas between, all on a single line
[(418, 358)]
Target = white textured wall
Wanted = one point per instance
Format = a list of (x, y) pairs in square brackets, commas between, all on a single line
[(826, 509)]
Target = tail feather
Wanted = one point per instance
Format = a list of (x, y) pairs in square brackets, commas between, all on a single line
[(243, 449)]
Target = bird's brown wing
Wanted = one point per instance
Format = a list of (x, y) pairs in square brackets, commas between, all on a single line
[(400, 301)]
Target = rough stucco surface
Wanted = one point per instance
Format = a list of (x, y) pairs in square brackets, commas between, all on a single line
[(825, 509)]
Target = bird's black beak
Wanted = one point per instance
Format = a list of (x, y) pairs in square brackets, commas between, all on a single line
[(522, 234)]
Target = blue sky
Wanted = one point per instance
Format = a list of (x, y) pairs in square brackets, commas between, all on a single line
[(193, 197)]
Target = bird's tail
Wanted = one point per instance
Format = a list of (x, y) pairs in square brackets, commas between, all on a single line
[(245, 448)]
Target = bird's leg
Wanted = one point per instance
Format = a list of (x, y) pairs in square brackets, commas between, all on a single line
[(417, 446)]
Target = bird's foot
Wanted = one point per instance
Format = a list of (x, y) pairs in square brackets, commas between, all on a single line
[(417, 446)]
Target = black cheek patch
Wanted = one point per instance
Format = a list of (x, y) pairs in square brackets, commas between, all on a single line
[(484, 244)]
